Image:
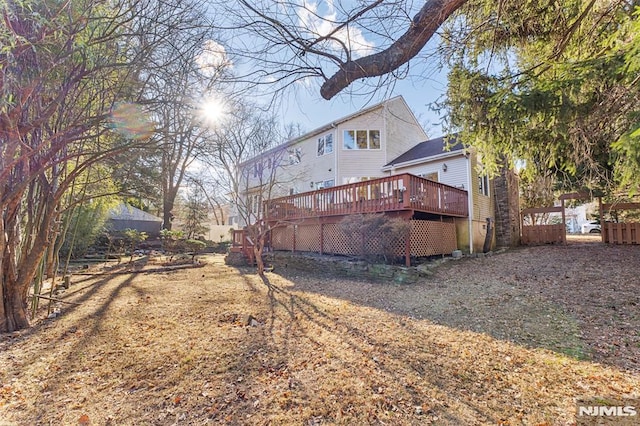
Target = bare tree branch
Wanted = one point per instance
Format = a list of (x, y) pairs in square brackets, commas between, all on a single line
[(424, 25)]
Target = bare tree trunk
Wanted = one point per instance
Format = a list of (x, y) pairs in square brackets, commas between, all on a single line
[(23, 250), (15, 315), (3, 243), (258, 248), (16, 277), (167, 214), (257, 236), (50, 261)]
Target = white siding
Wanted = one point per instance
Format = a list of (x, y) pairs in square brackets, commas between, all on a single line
[(357, 162), (399, 131), (456, 175), (313, 168), (402, 130)]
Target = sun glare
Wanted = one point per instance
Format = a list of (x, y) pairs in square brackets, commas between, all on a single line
[(212, 111)]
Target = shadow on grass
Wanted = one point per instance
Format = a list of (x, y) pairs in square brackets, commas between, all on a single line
[(488, 296), (312, 354), (295, 313)]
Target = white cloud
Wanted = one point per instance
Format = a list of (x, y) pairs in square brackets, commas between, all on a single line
[(213, 58), (320, 25)]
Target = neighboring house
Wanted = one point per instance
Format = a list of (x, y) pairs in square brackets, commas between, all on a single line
[(125, 216), (221, 232), (217, 225), (350, 149), (575, 216)]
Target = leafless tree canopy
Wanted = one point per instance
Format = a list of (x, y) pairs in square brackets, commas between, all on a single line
[(341, 44)]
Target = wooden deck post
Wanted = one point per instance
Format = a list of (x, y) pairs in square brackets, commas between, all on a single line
[(603, 231), (564, 225), (407, 249), (354, 197), (406, 194)]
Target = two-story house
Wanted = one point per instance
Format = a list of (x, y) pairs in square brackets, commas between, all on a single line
[(376, 161), (350, 149)]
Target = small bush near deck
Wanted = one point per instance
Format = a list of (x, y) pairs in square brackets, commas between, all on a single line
[(376, 236)]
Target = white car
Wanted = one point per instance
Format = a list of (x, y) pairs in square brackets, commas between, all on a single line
[(590, 228)]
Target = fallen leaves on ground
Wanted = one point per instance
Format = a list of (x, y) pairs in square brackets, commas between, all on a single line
[(484, 341)]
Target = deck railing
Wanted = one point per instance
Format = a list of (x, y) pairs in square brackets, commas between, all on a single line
[(391, 193), (242, 244)]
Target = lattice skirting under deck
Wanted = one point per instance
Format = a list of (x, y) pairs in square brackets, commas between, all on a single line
[(427, 238)]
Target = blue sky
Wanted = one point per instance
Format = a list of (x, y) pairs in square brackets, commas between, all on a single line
[(424, 82), (309, 109)]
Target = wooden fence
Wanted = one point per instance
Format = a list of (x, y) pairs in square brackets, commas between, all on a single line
[(542, 234), (621, 233)]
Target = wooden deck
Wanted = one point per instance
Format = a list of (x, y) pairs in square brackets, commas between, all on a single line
[(242, 244), (404, 192)]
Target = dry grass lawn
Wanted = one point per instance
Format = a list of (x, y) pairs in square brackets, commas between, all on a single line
[(481, 342)]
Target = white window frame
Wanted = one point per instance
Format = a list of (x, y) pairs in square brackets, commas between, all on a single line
[(355, 140), (295, 156), (323, 140), (427, 175), (483, 185)]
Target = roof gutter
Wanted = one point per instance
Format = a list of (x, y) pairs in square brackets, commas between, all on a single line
[(431, 159), (322, 129)]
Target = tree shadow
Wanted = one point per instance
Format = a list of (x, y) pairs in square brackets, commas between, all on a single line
[(296, 313), (531, 297), (304, 348)]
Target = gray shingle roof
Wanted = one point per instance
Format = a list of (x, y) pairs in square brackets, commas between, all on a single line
[(429, 149), (127, 212)]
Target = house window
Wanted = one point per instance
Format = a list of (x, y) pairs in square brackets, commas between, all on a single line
[(325, 145), (483, 185), (324, 184), (361, 139), (431, 176), (295, 156), (374, 139)]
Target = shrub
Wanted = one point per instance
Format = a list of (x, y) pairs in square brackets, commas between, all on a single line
[(133, 237), (375, 236), (171, 241), (194, 247)]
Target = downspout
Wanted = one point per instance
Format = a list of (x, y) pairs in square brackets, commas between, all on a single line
[(384, 132), (337, 148), (470, 202)]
